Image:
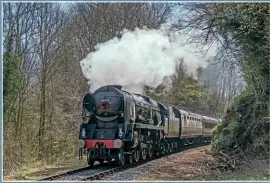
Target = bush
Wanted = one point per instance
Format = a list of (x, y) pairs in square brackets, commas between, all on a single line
[(245, 127)]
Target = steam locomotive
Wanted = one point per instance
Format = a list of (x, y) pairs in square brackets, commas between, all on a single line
[(126, 127)]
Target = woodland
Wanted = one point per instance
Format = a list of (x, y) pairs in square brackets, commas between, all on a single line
[(43, 85)]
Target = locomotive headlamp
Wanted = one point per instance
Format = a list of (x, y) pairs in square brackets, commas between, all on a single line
[(117, 143), (83, 133), (81, 143), (120, 132), (85, 120), (86, 115)]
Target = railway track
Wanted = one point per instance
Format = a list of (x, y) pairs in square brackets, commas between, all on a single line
[(65, 173), (100, 170)]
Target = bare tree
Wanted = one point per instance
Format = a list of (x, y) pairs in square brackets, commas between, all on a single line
[(99, 22), (50, 24), (19, 29)]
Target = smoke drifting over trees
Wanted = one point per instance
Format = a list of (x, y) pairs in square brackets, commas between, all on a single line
[(141, 57)]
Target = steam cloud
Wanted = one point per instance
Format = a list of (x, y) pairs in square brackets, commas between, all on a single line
[(141, 57)]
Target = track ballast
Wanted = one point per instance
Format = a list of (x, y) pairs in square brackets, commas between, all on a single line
[(101, 170)]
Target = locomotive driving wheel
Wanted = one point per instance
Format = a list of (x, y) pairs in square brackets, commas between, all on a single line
[(101, 161), (157, 149), (90, 160), (150, 151), (143, 153), (163, 148), (129, 158), (136, 155), (110, 160), (167, 148), (121, 157), (170, 147)]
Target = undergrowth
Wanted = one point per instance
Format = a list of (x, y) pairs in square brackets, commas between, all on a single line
[(244, 131)]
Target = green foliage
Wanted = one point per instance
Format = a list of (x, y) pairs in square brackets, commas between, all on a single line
[(245, 125), (12, 84), (248, 26), (185, 92)]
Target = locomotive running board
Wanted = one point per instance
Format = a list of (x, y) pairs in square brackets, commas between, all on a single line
[(146, 126)]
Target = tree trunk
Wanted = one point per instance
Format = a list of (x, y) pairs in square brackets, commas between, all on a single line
[(51, 125), (42, 117)]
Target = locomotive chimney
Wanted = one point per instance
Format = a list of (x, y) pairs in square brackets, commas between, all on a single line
[(118, 34), (119, 87)]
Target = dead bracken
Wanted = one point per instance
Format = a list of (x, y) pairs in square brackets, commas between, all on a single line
[(201, 164)]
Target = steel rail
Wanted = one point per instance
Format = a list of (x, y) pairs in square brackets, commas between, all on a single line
[(97, 176), (70, 172)]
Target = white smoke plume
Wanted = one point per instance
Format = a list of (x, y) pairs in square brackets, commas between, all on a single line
[(141, 57)]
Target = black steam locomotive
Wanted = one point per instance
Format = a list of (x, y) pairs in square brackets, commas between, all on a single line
[(128, 127)]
